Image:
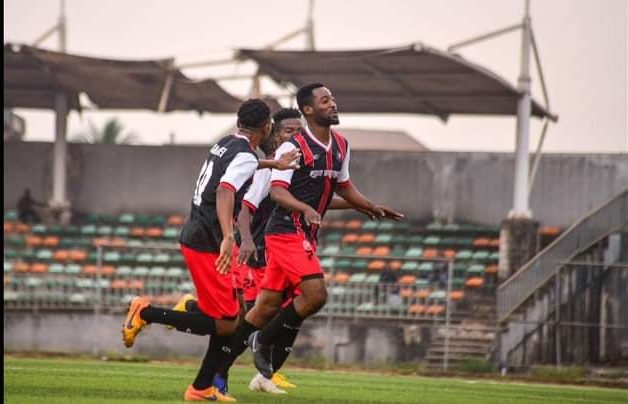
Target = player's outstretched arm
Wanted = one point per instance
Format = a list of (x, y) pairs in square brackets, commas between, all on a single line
[(284, 198), (350, 194), (225, 198), (341, 204), (287, 161), (247, 246)]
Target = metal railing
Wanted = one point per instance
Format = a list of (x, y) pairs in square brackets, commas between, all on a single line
[(610, 217)]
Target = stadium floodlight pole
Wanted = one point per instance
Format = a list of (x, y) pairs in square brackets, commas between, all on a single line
[(309, 37), (521, 207)]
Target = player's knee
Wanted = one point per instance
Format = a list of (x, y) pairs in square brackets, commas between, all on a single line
[(225, 328), (315, 301)]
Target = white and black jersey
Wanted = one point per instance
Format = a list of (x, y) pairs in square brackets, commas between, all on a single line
[(231, 164), (322, 169), (258, 200)]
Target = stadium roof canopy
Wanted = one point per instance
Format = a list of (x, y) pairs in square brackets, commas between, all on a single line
[(33, 77), (409, 79)]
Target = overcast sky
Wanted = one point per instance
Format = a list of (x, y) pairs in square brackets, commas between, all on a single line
[(583, 46)]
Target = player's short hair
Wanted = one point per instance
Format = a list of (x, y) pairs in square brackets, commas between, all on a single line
[(304, 95), (286, 113), (253, 113)]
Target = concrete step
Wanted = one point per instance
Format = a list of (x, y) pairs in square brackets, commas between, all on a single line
[(430, 358), (458, 350)]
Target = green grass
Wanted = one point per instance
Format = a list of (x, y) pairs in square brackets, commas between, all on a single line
[(92, 381)]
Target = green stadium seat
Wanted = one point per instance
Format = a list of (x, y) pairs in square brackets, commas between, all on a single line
[(84, 283), (10, 253), (343, 264), (431, 240), (27, 255), (73, 269), (401, 226), (426, 267), (157, 271), (10, 215), (476, 270), (481, 255), (331, 250), (33, 282), (333, 237), (78, 298), (327, 263), (414, 252), (452, 227), (438, 295), (157, 220), (8, 266), (186, 287), (373, 279), (416, 240), (134, 243), (360, 265), (140, 271), (15, 240), (144, 257), (39, 229), (170, 233), (434, 226), (161, 258), (124, 270), (348, 250), (70, 230), (369, 226), (104, 230), (177, 259), (174, 272), (464, 255), (494, 257), (460, 268), (111, 256), (56, 268), (385, 226), (126, 218), (357, 278), (422, 283), (398, 251), (410, 266), (383, 238), (365, 308), (121, 231), (458, 283), (88, 230), (93, 218), (43, 254)]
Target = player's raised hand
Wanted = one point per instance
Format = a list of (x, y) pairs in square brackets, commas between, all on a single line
[(384, 212), (247, 249), (223, 263), (288, 161), (312, 217)]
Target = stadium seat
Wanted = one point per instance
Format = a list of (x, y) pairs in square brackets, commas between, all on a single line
[(376, 265), (348, 250), (137, 231), (341, 277), (431, 241), (494, 257), (475, 270), (385, 226), (126, 218), (34, 241), (366, 238), (434, 226), (343, 264), (381, 251), (438, 295), (39, 267), (171, 233), (407, 280), (474, 282), (357, 278), (360, 265), (395, 265), (10, 215), (174, 272), (327, 263), (369, 226), (464, 255), (373, 279), (331, 250), (161, 258), (414, 252), (157, 272), (140, 271), (122, 231), (449, 253), (481, 255), (175, 220), (77, 255), (154, 232), (491, 269), (353, 224), (111, 256), (61, 255), (72, 269), (9, 227), (43, 254), (426, 268), (416, 309), (410, 266), (435, 309), (124, 270), (333, 237), (430, 253), (398, 250), (350, 238), (364, 251), (144, 258), (8, 266)]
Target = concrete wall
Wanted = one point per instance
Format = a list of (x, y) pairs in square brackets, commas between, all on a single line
[(474, 187), (82, 332)]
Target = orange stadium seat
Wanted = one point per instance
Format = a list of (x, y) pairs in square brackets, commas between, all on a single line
[(34, 241), (119, 284), (175, 220), (350, 238), (382, 251), (117, 242), (78, 255), (337, 224), (354, 224), (422, 294), (416, 309), (407, 280), (138, 232), (481, 242), (39, 267), (364, 251), (61, 255), (494, 242), (474, 282), (366, 238), (549, 231), (449, 253), (136, 284), (456, 295), (154, 232), (100, 241), (341, 277), (430, 253), (435, 309), (406, 292), (376, 265), (491, 269), (395, 265), (21, 266), (51, 241), (9, 227), (22, 228)]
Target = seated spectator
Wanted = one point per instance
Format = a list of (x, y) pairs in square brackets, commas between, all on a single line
[(26, 208)]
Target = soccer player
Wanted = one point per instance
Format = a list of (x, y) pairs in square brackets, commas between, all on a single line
[(303, 195), (207, 245)]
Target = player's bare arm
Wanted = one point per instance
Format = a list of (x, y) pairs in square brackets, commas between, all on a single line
[(341, 204), (247, 246), (224, 209), (287, 161), (284, 198), (350, 194)]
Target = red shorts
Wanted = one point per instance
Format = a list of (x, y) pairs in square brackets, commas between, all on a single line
[(290, 259), (216, 293), (240, 272), (252, 282)]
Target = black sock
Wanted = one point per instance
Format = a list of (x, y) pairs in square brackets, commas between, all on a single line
[(192, 305), (283, 347), (191, 322), (287, 320), (216, 352), (237, 345)]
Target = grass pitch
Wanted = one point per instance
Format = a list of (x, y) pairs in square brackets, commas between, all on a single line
[(85, 381)]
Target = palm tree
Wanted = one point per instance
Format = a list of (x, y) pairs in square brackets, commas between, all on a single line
[(111, 133)]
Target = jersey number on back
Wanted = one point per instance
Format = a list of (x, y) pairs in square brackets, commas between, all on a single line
[(201, 183)]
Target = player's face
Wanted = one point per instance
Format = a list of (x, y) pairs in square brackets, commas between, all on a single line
[(325, 107), (287, 128)]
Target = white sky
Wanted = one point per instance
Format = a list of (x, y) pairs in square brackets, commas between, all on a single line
[(583, 46)]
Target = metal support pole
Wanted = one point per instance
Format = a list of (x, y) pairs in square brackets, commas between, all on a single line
[(521, 207), (557, 325), (309, 37), (59, 178), (450, 274), (97, 301)]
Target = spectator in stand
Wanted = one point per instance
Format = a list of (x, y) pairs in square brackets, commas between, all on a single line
[(26, 208)]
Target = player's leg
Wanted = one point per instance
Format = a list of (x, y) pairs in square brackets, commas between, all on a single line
[(283, 348)]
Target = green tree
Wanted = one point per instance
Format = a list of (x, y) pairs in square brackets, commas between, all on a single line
[(111, 133)]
